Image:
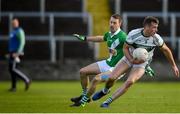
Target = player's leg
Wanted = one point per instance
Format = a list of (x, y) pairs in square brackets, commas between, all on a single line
[(120, 68), (91, 69), (102, 77), (135, 74), (21, 75), (103, 67), (13, 77)]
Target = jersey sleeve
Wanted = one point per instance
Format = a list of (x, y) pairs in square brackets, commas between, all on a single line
[(124, 36), (21, 38), (129, 39), (105, 36), (158, 40)]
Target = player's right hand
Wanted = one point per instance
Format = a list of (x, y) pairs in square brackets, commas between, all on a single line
[(15, 55), (136, 61), (80, 37), (176, 70)]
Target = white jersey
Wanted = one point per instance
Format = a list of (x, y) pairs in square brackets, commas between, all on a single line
[(136, 39)]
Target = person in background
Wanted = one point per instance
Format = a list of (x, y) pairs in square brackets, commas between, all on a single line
[(16, 47)]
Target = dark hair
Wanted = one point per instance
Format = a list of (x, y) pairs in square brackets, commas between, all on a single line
[(149, 19), (117, 16)]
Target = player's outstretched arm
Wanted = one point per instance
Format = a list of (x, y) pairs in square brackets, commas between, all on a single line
[(167, 52), (89, 38)]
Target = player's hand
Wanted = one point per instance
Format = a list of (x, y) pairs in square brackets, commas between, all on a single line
[(137, 61), (113, 52), (15, 55), (80, 37), (176, 71), (21, 54)]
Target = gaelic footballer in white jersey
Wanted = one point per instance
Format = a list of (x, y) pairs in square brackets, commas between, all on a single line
[(147, 38), (136, 39)]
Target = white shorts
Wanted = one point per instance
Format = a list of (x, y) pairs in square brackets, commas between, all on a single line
[(142, 65), (104, 67)]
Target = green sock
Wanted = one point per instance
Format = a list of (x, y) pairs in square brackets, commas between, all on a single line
[(84, 100), (84, 92)]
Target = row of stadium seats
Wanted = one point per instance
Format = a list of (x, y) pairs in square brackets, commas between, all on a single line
[(149, 6), (34, 26), (145, 5), (67, 26), (152, 6), (34, 5), (164, 28)]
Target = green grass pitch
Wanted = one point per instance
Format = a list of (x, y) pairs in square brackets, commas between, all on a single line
[(147, 97)]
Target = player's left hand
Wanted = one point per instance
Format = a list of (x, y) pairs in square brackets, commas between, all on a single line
[(113, 52), (80, 37), (176, 70), (17, 54)]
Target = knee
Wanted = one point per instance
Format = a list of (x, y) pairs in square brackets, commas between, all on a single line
[(96, 79), (82, 72), (129, 84)]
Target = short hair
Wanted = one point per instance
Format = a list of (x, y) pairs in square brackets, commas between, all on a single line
[(15, 18), (149, 19), (117, 16)]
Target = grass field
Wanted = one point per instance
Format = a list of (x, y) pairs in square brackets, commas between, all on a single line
[(54, 97)]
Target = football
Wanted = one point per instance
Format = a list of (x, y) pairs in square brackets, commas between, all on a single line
[(140, 54)]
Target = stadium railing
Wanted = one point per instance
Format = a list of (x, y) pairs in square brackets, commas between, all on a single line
[(42, 6), (51, 37)]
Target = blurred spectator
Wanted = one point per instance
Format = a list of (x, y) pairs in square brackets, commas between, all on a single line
[(16, 47)]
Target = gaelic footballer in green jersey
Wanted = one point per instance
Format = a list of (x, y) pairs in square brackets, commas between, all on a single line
[(115, 44), (115, 40)]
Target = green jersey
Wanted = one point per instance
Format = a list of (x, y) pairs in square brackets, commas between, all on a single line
[(115, 44)]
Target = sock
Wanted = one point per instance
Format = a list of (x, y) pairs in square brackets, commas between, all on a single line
[(105, 90), (84, 99), (84, 92), (108, 101)]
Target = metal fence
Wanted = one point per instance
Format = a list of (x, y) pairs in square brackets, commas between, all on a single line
[(51, 37)]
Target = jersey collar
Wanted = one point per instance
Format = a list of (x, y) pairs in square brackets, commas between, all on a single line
[(118, 30), (142, 32)]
